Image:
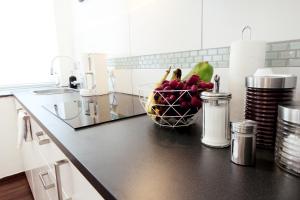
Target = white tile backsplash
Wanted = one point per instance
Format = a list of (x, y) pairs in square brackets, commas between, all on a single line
[(295, 45), (271, 55), (287, 54), (278, 63), (279, 46), (194, 53), (294, 63), (278, 54), (283, 57), (212, 51), (202, 52), (207, 58)]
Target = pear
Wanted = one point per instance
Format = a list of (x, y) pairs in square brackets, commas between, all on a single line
[(203, 69)]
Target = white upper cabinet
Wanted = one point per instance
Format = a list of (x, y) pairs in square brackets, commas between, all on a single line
[(271, 20), (159, 26), (136, 27), (123, 28), (101, 26)]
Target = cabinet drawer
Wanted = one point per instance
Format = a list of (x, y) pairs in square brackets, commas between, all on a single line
[(73, 184), (38, 173), (45, 146), (43, 182), (48, 184)]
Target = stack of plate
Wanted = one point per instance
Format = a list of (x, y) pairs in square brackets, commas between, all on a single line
[(264, 94), (287, 150)]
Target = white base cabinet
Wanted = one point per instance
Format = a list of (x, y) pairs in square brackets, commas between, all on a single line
[(50, 174), (10, 156)]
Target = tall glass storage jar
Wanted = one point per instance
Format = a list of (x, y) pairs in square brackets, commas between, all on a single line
[(287, 148), (216, 122)]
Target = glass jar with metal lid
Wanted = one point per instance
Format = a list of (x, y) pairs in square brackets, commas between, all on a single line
[(287, 148), (243, 142), (263, 95), (215, 128)]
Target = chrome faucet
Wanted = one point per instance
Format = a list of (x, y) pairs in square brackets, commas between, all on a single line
[(53, 72)]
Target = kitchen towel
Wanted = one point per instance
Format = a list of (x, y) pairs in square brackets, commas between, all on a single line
[(246, 56), (21, 128), (24, 128)]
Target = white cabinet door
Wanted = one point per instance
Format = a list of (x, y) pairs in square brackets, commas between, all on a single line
[(30, 162), (10, 156), (82, 188), (73, 183), (99, 26), (165, 26), (29, 177), (271, 20), (35, 165)]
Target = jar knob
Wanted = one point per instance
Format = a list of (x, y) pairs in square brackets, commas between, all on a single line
[(216, 83)]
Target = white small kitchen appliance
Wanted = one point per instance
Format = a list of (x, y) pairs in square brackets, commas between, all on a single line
[(95, 75)]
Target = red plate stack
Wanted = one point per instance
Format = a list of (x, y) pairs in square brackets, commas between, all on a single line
[(264, 94)]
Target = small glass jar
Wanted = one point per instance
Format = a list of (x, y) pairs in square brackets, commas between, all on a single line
[(216, 122)]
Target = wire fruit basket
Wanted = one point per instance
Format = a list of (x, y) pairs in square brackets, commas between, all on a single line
[(171, 108)]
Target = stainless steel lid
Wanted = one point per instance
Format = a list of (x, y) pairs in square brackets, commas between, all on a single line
[(244, 127), (290, 113), (215, 96), (271, 81)]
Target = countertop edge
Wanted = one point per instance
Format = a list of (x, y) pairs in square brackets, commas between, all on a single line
[(6, 95), (91, 179)]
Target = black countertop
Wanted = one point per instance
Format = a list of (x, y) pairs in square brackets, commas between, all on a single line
[(5, 94), (135, 159)]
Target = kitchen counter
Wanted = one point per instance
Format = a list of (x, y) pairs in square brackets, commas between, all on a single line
[(5, 94), (135, 159)]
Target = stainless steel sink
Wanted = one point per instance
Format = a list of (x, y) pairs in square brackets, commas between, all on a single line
[(55, 91)]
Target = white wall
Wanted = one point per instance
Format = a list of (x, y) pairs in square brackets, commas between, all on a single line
[(65, 38), (136, 81), (10, 157), (271, 20), (27, 41), (137, 27), (133, 81)]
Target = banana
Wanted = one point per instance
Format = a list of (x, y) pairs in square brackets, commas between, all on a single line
[(176, 75), (151, 101)]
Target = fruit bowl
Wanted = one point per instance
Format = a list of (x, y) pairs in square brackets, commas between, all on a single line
[(171, 107), (176, 102)]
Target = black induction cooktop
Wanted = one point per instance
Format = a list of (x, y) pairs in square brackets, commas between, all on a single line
[(90, 111)]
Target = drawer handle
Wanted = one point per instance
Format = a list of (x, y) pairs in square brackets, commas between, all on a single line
[(57, 165), (28, 128), (40, 136), (45, 185)]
